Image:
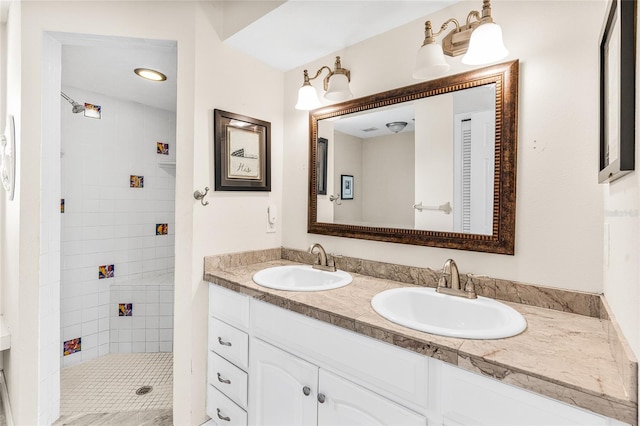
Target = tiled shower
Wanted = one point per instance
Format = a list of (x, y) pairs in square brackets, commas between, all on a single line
[(117, 227)]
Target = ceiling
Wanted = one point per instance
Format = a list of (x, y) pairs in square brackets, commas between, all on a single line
[(301, 31), (293, 34), (372, 123), (105, 65)]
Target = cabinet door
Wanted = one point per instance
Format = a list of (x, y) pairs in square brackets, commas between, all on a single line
[(282, 387), (342, 402), (469, 399)]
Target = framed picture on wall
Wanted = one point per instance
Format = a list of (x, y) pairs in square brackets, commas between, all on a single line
[(242, 152), (322, 166), (347, 187), (617, 91)]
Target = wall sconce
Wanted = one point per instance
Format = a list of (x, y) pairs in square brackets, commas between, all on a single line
[(481, 40), (336, 87)]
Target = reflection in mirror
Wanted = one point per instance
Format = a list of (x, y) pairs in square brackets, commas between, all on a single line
[(432, 164), (440, 154)]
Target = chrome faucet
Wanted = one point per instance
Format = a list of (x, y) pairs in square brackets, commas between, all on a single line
[(449, 282), (322, 263)]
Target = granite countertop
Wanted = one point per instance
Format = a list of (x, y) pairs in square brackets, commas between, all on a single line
[(561, 355)]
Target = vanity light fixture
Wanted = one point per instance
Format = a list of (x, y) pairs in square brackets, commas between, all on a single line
[(481, 40), (150, 74), (396, 126), (336, 87)]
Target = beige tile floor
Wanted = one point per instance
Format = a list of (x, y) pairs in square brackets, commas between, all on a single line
[(103, 390)]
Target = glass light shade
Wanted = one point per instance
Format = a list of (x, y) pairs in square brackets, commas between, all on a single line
[(338, 88), (397, 126), (307, 98), (430, 62), (485, 45)]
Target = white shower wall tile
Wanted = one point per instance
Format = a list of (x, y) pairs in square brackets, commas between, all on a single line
[(108, 223)]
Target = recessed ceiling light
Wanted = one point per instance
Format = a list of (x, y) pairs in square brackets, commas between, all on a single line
[(149, 74)]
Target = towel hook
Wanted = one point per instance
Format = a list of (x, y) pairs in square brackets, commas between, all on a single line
[(199, 195), (335, 198)]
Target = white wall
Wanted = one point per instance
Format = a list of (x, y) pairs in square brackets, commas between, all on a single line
[(559, 202), (210, 75), (347, 160), (434, 161), (50, 230), (388, 180)]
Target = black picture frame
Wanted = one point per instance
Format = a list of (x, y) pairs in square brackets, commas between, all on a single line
[(346, 186), (323, 149), (617, 91), (242, 148)]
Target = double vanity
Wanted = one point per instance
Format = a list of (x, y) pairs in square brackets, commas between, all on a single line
[(358, 352)]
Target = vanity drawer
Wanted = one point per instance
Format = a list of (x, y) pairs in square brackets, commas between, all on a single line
[(228, 379), (222, 410), (229, 342), (229, 306)]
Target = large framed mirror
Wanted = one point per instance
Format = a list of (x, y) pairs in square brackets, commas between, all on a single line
[(430, 164)]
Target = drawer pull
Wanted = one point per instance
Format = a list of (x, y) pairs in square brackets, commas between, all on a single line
[(221, 417), (223, 343), (306, 390), (321, 398), (225, 381)]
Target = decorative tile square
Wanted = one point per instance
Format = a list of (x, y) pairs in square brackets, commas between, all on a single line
[(125, 309), (136, 181), (92, 111), (106, 271), (62, 205), (72, 346), (162, 229), (162, 148)]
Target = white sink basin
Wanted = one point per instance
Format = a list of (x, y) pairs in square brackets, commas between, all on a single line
[(301, 278), (424, 309)]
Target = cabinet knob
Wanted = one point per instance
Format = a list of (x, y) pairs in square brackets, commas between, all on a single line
[(221, 417), (306, 390), (223, 343), (321, 398), (225, 381)]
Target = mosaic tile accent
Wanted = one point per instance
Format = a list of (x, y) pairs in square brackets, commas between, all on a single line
[(106, 271), (92, 111), (162, 229), (125, 309), (62, 205), (136, 181), (72, 346), (162, 148)]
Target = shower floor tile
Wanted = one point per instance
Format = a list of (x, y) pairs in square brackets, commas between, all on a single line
[(108, 384)]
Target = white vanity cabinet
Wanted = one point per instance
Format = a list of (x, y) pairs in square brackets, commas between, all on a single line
[(288, 391), (285, 368)]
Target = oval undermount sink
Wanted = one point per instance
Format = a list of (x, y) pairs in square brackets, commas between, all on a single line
[(424, 309), (301, 278)]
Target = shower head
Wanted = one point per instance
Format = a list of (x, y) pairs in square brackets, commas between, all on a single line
[(75, 107)]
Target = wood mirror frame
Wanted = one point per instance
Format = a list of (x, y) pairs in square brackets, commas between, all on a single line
[(505, 77)]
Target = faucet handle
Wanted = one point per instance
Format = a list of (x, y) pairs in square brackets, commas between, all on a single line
[(470, 287), (442, 281)]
